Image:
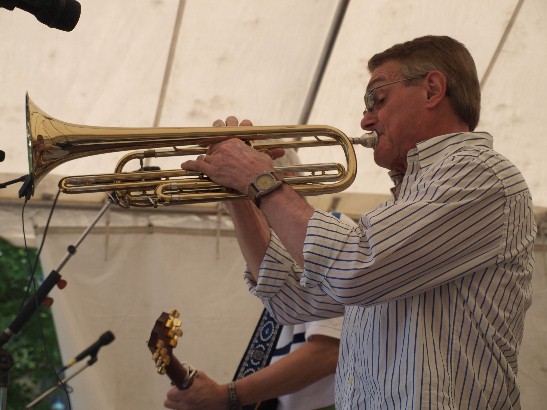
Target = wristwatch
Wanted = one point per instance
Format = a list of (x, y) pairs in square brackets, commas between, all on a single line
[(264, 184)]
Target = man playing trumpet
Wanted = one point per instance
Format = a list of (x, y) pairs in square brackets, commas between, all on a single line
[(434, 285)]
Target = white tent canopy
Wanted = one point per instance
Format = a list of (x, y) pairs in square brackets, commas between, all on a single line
[(185, 63)]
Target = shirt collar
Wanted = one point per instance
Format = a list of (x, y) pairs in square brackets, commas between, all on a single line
[(431, 150)]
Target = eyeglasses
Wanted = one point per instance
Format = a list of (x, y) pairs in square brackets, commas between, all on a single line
[(371, 99)]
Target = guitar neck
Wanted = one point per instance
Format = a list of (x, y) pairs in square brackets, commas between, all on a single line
[(181, 375)]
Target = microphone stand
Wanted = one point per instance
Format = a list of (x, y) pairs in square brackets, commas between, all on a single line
[(61, 382), (54, 278)]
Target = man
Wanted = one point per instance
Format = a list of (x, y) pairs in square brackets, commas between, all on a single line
[(300, 374), (435, 284)]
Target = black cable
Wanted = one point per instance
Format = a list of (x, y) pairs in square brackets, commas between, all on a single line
[(33, 267), (32, 282)]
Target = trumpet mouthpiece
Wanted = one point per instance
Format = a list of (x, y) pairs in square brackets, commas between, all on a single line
[(368, 140)]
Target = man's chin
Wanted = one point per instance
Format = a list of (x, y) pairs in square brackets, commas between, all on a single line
[(379, 159)]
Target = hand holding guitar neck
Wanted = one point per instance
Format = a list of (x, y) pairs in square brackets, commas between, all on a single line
[(163, 339)]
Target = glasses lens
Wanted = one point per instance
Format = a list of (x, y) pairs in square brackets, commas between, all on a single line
[(369, 100), (370, 97)]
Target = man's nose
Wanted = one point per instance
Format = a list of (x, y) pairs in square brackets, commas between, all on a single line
[(368, 121)]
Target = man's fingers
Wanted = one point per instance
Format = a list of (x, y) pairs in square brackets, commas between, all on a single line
[(195, 165), (276, 153), (232, 121)]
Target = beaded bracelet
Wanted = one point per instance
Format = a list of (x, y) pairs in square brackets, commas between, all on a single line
[(233, 400)]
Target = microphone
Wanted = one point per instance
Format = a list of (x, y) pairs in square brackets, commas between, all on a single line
[(31, 305), (59, 14), (106, 338)]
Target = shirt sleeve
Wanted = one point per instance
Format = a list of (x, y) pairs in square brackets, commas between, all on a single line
[(281, 293), (327, 327)]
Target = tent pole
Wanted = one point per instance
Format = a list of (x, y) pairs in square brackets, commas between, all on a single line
[(501, 43), (323, 61), (168, 67)]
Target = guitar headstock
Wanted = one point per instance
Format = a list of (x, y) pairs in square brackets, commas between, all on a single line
[(163, 339)]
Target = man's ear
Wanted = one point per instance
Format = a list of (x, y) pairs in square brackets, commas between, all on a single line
[(436, 87)]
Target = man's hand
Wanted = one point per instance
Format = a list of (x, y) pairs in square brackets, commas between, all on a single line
[(204, 394), (233, 163)]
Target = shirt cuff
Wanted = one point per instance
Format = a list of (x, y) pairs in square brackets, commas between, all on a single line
[(275, 268)]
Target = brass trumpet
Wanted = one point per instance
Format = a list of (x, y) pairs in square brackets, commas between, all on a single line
[(52, 142)]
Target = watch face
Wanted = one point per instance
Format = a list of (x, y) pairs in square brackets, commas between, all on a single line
[(264, 181)]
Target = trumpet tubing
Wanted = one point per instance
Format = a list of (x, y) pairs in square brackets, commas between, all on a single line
[(52, 142)]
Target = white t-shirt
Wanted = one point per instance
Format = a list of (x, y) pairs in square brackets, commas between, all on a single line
[(321, 393)]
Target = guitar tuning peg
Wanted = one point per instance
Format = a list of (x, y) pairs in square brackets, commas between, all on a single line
[(177, 322), (175, 333), (173, 342), (160, 368), (175, 313)]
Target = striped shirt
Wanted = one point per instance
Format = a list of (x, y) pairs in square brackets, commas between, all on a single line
[(434, 285)]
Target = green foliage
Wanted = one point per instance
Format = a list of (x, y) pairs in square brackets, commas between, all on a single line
[(32, 372)]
